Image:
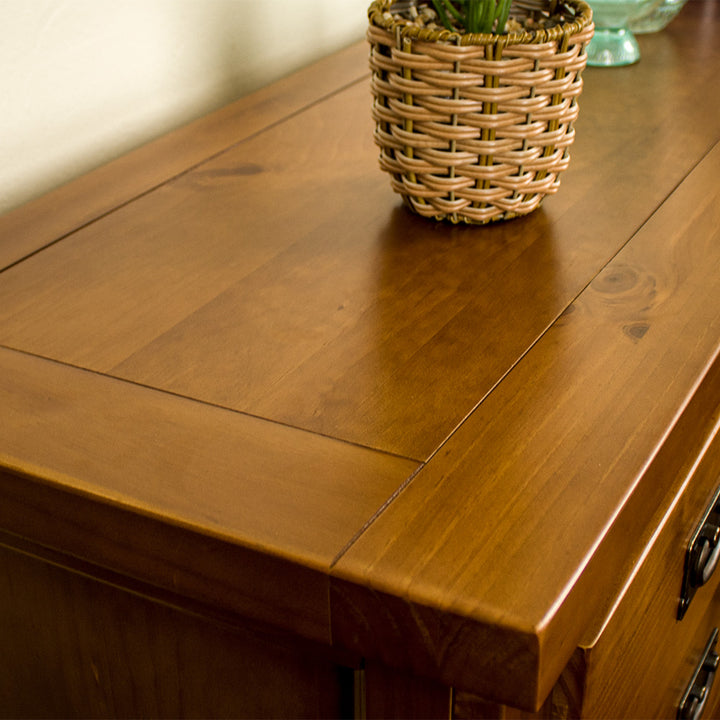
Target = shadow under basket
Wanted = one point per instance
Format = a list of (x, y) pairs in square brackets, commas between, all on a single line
[(477, 128)]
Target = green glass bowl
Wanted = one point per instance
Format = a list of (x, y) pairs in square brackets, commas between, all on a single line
[(657, 18), (614, 43)]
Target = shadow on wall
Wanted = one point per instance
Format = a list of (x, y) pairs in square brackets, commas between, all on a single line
[(85, 82)]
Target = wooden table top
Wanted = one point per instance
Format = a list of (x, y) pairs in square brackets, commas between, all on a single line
[(234, 367)]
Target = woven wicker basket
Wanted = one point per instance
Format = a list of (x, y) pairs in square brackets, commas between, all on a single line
[(476, 128)]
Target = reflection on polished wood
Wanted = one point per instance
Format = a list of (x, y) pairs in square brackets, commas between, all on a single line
[(243, 392)]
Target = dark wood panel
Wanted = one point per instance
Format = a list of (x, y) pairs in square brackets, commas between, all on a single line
[(42, 221), (483, 560), (392, 694), (73, 647)]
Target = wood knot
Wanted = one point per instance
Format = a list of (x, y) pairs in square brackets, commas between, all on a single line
[(626, 287), (627, 296), (636, 331), (617, 280)]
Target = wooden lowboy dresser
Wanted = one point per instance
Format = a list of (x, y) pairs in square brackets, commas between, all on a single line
[(271, 446)]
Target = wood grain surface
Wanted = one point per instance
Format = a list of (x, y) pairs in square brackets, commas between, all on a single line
[(281, 279), (221, 504), (235, 369), (647, 611), (515, 504)]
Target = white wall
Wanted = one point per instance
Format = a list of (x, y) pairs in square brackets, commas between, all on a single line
[(82, 81)]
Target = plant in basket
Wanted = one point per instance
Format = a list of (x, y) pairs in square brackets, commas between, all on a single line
[(475, 100)]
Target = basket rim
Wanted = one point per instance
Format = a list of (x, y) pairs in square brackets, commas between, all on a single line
[(581, 9)]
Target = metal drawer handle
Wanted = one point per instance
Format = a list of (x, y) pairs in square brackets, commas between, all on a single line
[(705, 554), (702, 555), (695, 698)]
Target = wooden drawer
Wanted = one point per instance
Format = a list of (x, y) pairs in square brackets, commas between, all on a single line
[(641, 658)]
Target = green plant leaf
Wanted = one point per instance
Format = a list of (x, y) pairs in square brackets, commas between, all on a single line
[(474, 16)]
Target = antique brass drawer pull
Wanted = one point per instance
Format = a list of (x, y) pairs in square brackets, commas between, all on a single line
[(702, 554), (695, 697)]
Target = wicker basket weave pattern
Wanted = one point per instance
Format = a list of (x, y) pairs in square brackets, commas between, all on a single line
[(476, 128)]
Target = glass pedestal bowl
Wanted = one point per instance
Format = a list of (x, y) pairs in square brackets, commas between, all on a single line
[(657, 18), (614, 43)]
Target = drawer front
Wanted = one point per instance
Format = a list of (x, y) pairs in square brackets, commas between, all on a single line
[(644, 658)]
